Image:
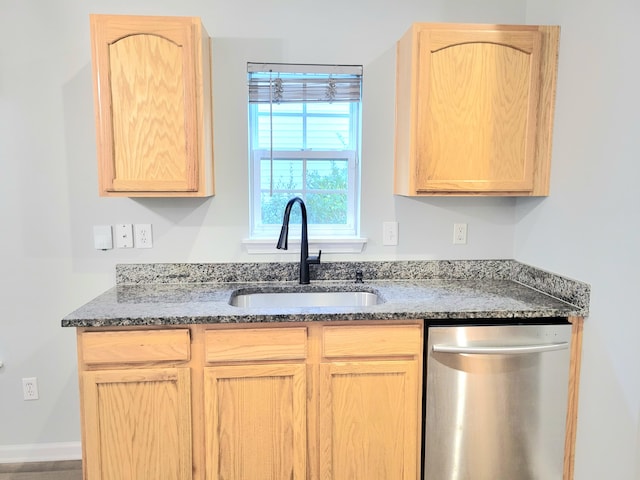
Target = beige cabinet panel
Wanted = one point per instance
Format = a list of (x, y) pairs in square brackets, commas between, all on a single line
[(369, 425), (474, 109), (153, 105), (137, 347), (256, 344), (255, 422), (371, 341), (370, 401), (304, 401), (137, 424)]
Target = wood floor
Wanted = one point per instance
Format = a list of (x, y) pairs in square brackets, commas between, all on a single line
[(67, 470)]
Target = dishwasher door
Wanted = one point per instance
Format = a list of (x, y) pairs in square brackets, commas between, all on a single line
[(496, 402)]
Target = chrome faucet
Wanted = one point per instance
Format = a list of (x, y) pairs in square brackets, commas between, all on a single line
[(305, 259)]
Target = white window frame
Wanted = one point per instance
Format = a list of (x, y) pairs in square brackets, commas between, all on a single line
[(333, 238)]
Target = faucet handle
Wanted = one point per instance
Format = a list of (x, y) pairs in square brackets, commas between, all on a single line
[(314, 259)]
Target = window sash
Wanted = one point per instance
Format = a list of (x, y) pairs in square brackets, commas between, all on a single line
[(260, 230), (260, 137)]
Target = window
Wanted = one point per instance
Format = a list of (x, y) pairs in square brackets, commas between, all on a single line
[(304, 140)]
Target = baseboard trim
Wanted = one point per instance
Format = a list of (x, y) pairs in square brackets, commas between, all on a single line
[(40, 452)]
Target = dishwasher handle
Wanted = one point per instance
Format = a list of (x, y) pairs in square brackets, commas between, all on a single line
[(500, 350)]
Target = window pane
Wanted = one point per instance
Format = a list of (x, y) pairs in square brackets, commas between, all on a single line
[(273, 209), (328, 133), (327, 208), (336, 108), (287, 132), (327, 174), (287, 174)]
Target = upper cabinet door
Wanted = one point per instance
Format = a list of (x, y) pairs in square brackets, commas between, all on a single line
[(152, 85), (474, 109)]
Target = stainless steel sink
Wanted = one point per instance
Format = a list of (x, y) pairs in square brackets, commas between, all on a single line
[(304, 299)]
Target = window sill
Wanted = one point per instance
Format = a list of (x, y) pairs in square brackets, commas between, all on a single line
[(327, 245)]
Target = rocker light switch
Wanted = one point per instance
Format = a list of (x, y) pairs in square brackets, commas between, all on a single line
[(102, 237)]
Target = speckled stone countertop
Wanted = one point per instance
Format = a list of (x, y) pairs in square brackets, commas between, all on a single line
[(178, 294)]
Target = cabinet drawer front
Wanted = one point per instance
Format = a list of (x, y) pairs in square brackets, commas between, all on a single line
[(135, 347), (256, 344), (371, 340)]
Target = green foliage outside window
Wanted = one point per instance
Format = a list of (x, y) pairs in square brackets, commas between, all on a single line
[(327, 207)]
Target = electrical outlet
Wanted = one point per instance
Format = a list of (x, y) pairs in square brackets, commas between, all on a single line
[(390, 233), (459, 233), (30, 388), (142, 234)]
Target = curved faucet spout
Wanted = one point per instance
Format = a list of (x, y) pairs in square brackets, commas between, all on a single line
[(305, 259)]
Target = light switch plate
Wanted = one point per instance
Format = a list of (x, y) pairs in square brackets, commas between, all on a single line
[(124, 235), (102, 237)]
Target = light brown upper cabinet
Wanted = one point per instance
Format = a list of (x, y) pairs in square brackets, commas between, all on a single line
[(474, 109), (153, 106)]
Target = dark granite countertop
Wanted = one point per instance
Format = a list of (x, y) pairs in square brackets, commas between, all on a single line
[(175, 294)]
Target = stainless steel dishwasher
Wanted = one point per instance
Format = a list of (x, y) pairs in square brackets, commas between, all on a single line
[(496, 402)]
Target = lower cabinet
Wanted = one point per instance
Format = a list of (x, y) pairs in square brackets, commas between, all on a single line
[(316, 401), (370, 402), (368, 425), (255, 421), (137, 423), (136, 404)]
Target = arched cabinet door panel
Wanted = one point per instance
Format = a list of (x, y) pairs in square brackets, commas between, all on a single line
[(153, 105), (474, 109)]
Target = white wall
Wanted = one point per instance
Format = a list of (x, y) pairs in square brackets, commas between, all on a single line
[(588, 227)]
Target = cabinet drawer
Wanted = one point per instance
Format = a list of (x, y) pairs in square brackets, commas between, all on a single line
[(256, 344), (371, 340), (135, 346)]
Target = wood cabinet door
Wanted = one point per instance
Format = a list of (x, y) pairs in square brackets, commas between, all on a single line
[(255, 422), (369, 420), (477, 103), (137, 424), (146, 81)]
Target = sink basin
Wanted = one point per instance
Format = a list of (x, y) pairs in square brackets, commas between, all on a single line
[(304, 299)]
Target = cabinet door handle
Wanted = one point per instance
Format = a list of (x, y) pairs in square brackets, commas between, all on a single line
[(500, 350)]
